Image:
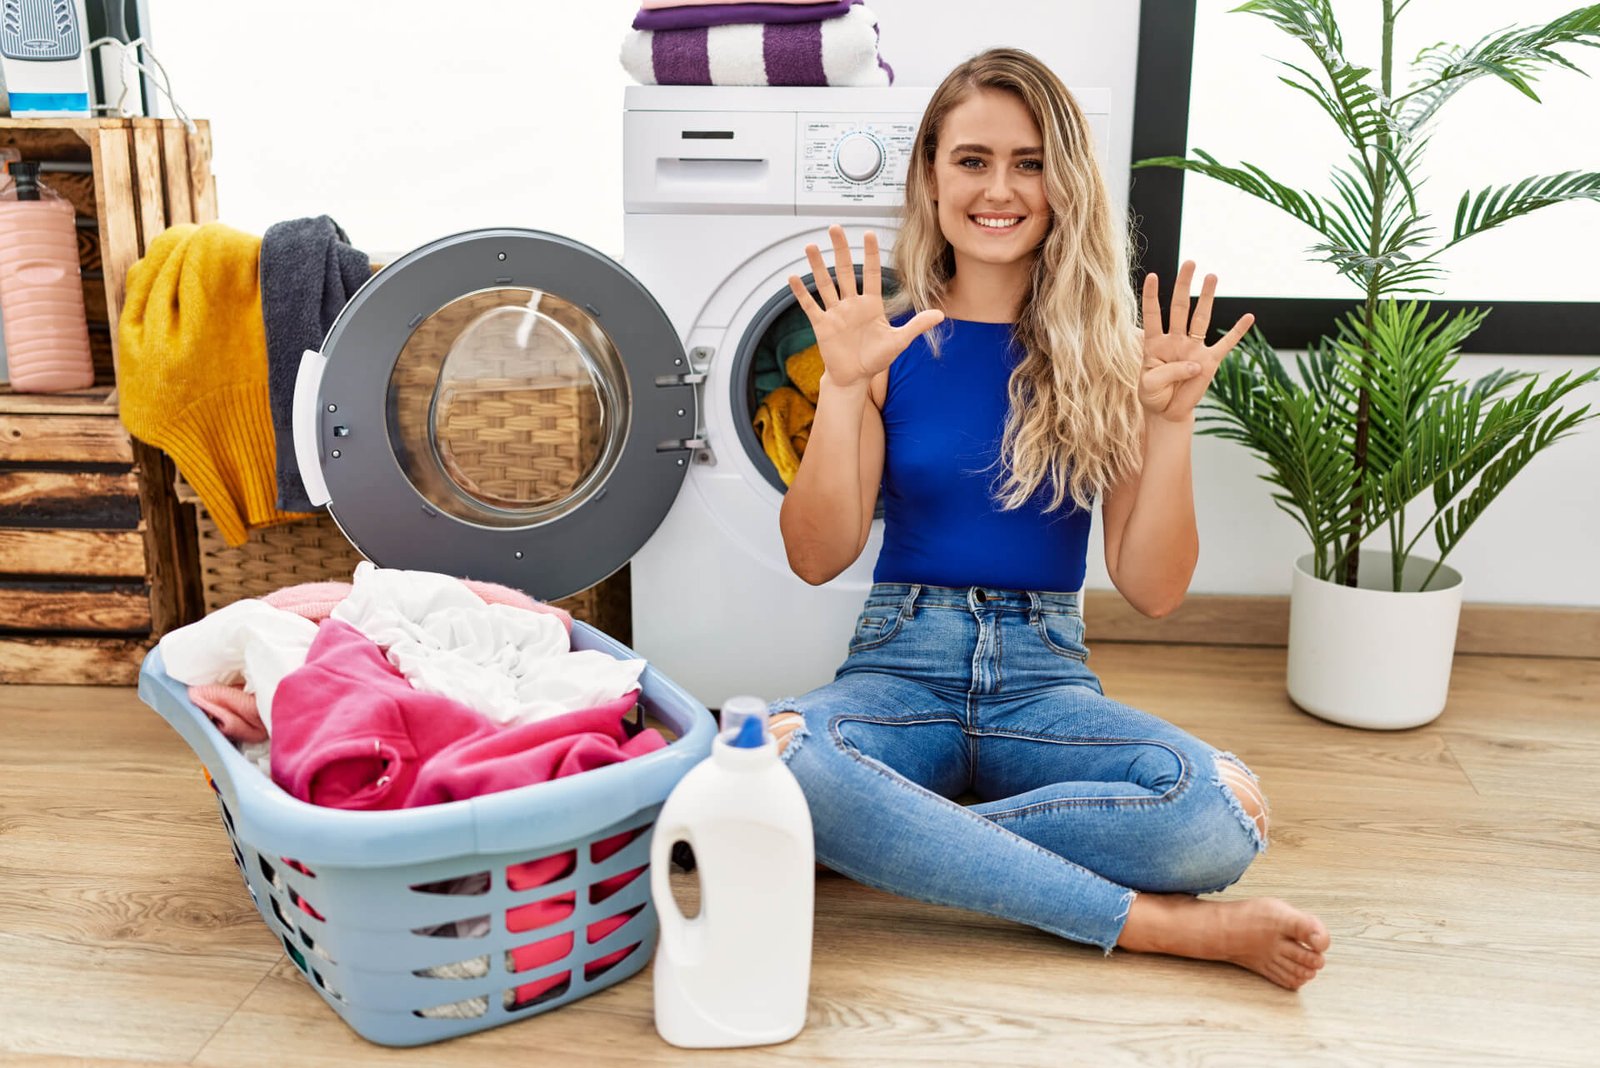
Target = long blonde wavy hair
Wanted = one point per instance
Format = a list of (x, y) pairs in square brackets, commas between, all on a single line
[(1074, 418)]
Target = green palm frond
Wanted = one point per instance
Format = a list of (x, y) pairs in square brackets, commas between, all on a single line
[(1491, 207), (1497, 475), (1498, 381), (1394, 269), (1515, 55), (1343, 91), (1255, 403), (1347, 99), (1353, 215), (1455, 437), (1309, 21), (1505, 420), (1324, 376), (1251, 179), (1403, 361), (1398, 264)]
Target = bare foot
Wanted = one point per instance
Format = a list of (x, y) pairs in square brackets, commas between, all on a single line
[(1268, 936)]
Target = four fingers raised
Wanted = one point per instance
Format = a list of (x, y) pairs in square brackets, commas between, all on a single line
[(1200, 324)]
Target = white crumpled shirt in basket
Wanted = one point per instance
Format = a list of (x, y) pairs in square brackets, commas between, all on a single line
[(512, 665)]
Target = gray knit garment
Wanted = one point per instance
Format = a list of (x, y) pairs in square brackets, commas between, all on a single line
[(308, 273)]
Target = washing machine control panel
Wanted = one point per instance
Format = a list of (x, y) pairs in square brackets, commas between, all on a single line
[(849, 161)]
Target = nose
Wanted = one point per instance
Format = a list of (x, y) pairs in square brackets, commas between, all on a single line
[(998, 188)]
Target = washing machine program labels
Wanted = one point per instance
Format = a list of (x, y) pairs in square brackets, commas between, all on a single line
[(820, 180)]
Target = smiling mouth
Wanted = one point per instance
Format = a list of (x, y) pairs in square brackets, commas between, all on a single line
[(999, 224)]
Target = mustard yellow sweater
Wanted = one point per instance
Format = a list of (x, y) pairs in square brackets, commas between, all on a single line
[(192, 370)]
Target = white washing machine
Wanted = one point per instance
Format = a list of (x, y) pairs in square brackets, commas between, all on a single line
[(514, 406)]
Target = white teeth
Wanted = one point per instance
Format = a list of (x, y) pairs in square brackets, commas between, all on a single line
[(997, 224)]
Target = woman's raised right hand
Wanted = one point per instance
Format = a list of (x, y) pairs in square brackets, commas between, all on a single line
[(853, 332)]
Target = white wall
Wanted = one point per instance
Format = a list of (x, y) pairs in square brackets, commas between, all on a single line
[(359, 110), (354, 109)]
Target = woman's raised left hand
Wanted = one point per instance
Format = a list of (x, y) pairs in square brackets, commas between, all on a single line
[(1178, 364)]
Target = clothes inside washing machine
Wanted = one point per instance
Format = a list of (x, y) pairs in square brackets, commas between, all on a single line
[(784, 376), (508, 407)]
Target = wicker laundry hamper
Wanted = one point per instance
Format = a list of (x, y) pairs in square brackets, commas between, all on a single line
[(314, 550)]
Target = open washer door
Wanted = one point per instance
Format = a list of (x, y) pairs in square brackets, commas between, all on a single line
[(506, 405)]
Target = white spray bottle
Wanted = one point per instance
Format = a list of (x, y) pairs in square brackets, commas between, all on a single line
[(738, 973)]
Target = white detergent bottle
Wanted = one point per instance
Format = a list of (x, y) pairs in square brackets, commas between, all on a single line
[(739, 972)]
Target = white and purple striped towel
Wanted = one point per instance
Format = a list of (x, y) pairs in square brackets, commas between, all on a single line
[(840, 51)]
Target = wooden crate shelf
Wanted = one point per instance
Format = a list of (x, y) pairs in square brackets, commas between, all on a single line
[(97, 555)]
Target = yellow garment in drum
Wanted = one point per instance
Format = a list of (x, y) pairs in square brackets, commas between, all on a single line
[(192, 370), (784, 423), (805, 372)]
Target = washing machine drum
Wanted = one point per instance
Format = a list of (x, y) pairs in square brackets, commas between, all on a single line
[(505, 405)]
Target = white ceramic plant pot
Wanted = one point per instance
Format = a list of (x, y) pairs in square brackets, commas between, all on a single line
[(1366, 656)]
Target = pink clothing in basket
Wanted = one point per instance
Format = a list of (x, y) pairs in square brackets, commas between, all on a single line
[(554, 910), (236, 713), (350, 732)]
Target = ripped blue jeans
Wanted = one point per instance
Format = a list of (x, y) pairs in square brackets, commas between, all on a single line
[(1082, 801)]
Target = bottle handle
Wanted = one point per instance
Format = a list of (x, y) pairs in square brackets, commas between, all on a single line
[(674, 925)]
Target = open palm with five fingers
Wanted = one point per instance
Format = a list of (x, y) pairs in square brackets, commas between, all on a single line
[(1178, 364), (853, 332)]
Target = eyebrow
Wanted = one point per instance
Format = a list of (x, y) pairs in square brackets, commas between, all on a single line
[(987, 151)]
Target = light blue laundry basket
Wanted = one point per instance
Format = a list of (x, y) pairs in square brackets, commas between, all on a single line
[(351, 895)]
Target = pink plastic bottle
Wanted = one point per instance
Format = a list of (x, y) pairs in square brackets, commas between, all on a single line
[(41, 290)]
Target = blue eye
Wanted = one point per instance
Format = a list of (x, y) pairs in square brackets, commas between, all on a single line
[(1032, 165), (970, 160)]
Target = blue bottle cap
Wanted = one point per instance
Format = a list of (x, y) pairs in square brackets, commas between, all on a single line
[(744, 722)]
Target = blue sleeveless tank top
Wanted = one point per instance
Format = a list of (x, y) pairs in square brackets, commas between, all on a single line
[(943, 419)]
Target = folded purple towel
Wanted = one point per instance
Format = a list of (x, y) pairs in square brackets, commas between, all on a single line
[(695, 17), (837, 51)]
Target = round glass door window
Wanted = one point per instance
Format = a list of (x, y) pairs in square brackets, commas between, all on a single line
[(508, 407)]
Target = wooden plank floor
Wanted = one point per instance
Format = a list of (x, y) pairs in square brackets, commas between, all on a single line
[(1457, 867)]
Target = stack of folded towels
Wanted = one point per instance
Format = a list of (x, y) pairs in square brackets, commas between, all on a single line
[(760, 42)]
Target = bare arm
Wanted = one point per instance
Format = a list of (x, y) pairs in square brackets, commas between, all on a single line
[(1152, 544), (827, 513)]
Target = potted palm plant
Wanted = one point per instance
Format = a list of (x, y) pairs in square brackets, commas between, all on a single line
[(1373, 433)]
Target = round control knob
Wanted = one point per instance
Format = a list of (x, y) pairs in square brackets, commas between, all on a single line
[(858, 157)]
